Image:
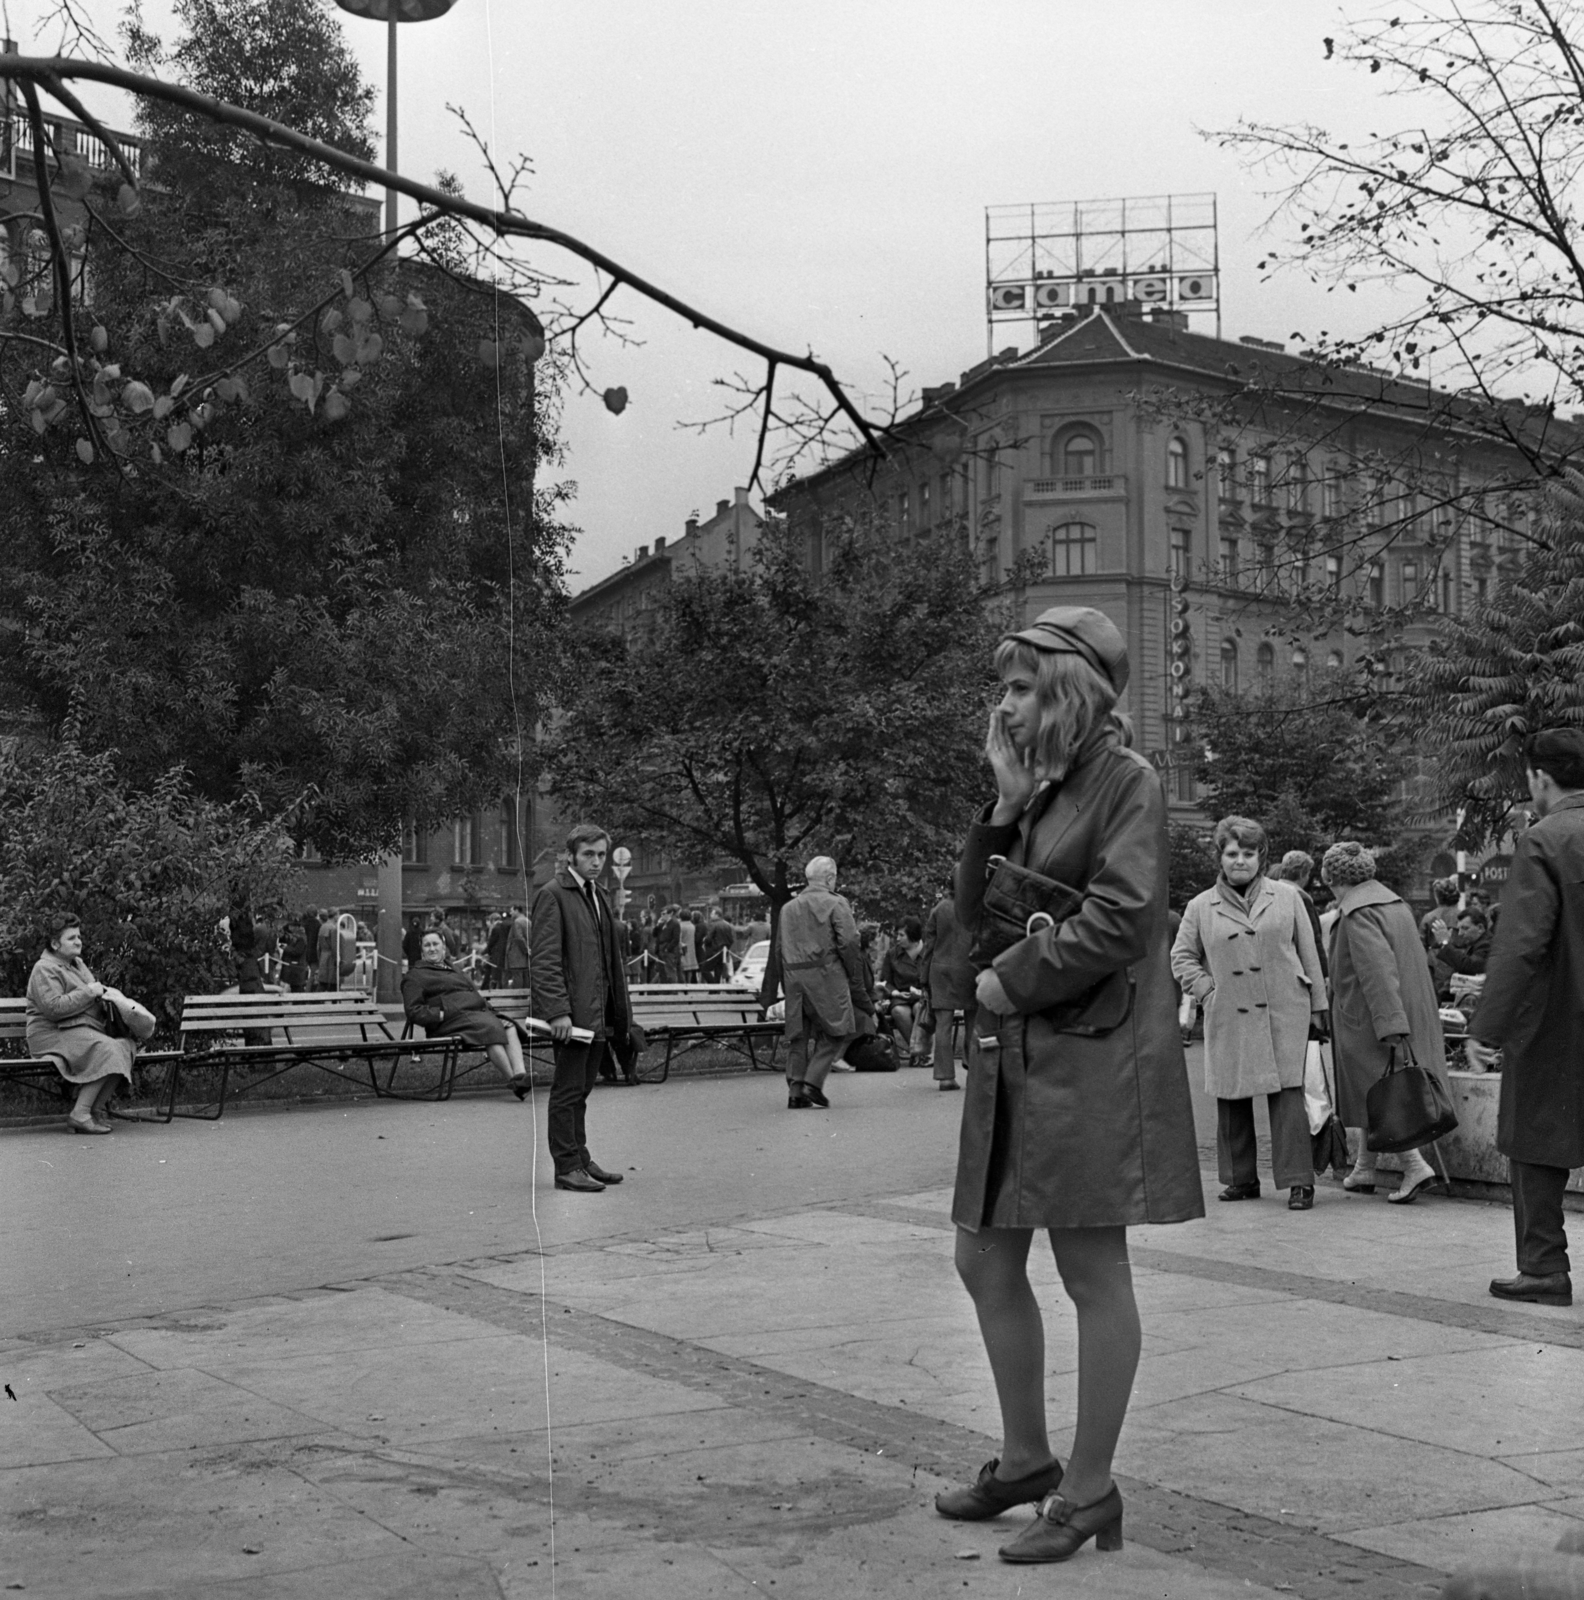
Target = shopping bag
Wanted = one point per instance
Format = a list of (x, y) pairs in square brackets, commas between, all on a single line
[(1317, 1092), (1408, 1107)]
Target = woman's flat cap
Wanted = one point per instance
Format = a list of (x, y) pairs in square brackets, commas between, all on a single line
[(1081, 631)]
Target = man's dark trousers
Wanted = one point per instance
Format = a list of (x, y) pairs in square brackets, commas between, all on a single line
[(1537, 1218), (577, 1067)]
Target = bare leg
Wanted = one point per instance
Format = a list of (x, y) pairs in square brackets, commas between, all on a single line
[(87, 1098), (107, 1087), (993, 1265), (514, 1055), (501, 1055), (1093, 1263)]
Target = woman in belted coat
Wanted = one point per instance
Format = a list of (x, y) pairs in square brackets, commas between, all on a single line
[(1079, 1135), (446, 1004), (1381, 994), (1246, 952)]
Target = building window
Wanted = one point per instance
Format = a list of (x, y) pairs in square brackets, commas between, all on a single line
[(1481, 589), (415, 846), (1331, 497), (1265, 664), (1298, 484), (1181, 552), (1176, 465), (946, 496), (1448, 592), (465, 841), (1186, 790), (924, 505), (1259, 480), (1334, 575), (1267, 563), (1080, 456), (1410, 582), (1377, 585), (1074, 550), (1226, 473), (1229, 666), (1229, 560)]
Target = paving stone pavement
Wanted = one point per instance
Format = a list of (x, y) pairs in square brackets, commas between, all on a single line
[(759, 1393)]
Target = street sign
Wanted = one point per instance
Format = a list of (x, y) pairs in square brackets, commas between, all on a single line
[(621, 862)]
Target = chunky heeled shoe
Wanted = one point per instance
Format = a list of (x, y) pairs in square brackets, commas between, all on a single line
[(1300, 1199), (1359, 1183), (522, 1085), (1061, 1529), (989, 1496), (87, 1125), (1240, 1191)]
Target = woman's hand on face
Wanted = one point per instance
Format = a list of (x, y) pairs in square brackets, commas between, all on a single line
[(990, 994), (1014, 774)]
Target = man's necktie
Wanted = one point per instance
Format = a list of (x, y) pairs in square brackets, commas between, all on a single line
[(593, 904)]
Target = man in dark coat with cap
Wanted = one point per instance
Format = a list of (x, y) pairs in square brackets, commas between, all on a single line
[(1532, 1010)]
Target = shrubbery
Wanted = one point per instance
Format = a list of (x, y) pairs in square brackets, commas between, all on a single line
[(151, 873)]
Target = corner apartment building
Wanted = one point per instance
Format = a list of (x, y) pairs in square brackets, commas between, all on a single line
[(1192, 487)]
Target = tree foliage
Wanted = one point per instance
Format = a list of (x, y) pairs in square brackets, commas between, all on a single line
[(1504, 670), (1300, 760), (324, 526), (782, 712), (151, 871)]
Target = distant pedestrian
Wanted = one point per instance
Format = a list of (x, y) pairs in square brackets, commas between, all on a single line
[(687, 944), (1439, 920), (1246, 952), (717, 942), (327, 952), (1297, 868), (1532, 1010), (519, 945), (818, 947), (579, 982), (495, 942), (412, 941), (948, 978), (668, 946), (902, 981), (1381, 997)]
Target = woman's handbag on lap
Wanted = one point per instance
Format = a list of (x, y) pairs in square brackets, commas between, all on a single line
[(1408, 1107)]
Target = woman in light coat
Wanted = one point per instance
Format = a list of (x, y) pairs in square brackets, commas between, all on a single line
[(1246, 952), (68, 1021), (1381, 994)]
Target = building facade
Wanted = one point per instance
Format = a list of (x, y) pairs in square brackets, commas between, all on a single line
[(1195, 490)]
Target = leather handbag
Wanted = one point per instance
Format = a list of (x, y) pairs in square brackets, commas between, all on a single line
[(1018, 903), (1408, 1107)]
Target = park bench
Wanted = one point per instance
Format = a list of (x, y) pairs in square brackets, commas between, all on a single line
[(693, 1014), (39, 1073), (330, 1031)]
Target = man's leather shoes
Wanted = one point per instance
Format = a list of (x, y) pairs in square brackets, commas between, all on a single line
[(798, 1100), (1240, 1191), (580, 1181), (817, 1096), (1554, 1289), (600, 1175)]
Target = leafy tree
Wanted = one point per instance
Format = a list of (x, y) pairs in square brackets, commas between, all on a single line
[(322, 527), (1502, 671), (1300, 760), (775, 714), (1193, 864), (151, 872)]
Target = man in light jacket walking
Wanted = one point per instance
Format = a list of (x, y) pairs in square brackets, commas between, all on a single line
[(819, 964), (1532, 1010)]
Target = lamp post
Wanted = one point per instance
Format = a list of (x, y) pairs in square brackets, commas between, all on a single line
[(390, 12)]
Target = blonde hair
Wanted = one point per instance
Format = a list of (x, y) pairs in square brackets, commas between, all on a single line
[(1074, 700)]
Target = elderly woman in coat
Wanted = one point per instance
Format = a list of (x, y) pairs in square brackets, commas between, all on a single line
[(69, 1021), (1381, 995), (446, 1004), (1077, 1117), (1246, 952)]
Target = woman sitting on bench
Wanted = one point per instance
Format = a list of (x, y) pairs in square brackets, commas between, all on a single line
[(446, 1005)]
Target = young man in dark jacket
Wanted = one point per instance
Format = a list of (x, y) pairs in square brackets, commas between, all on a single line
[(579, 982)]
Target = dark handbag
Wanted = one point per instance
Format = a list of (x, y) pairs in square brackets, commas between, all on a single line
[(112, 1022), (629, 1046), (872, 1053), (1019, 903), (1330, 1146), (1409, 1107)]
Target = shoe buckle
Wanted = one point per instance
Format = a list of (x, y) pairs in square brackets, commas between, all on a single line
[(1053, 1508)]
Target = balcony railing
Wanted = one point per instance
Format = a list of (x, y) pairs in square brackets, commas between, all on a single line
[(67, 138), (1109, 485)]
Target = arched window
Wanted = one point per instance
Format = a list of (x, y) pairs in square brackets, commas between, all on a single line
[(1176, 464), (1074, 550), (1076, 454), (1229, 666), (1265, 663)]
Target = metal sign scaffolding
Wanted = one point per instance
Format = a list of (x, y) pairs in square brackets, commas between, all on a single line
[(1044, 260)]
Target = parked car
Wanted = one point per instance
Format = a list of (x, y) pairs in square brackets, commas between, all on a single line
[(751, 969)]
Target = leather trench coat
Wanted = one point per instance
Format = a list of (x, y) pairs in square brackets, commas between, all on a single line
[(1533, 1004), (1061, 1130)]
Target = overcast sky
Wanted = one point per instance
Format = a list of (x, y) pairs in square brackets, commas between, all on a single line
[(816, 172)]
